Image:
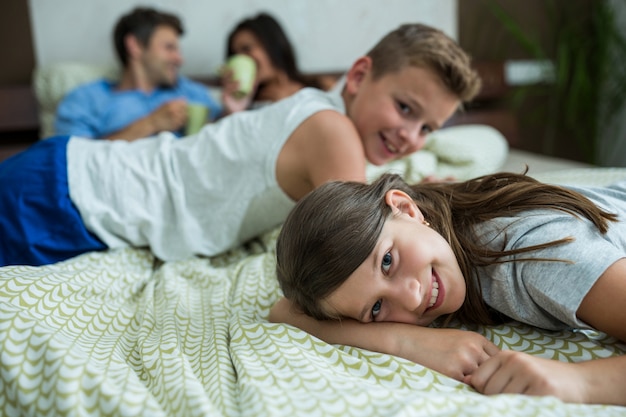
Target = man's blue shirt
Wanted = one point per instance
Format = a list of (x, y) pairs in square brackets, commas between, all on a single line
[(96, 109)]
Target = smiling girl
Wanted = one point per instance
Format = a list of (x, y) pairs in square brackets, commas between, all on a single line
[(495, 248)]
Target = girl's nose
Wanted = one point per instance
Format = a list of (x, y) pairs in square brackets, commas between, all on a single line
[(408, 297)]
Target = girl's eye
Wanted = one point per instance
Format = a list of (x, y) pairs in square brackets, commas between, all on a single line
[(404, 109), (386, 262), (426, 130), (376, 308)]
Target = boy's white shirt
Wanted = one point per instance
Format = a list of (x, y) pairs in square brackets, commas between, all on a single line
[(202, 194)]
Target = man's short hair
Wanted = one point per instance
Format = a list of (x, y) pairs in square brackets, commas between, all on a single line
[(141, 23)]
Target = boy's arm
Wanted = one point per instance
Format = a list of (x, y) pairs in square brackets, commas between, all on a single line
[(454, 353), (334, 149), (325, 147), (600, 381)]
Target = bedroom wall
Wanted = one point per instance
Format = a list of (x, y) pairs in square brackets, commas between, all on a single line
[(485, 37), (328, 34), (16, 43), (612, 149)]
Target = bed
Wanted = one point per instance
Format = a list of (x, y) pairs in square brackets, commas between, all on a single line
[(120, 333)]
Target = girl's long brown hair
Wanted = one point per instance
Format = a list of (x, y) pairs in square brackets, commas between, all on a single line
[(335, 228)]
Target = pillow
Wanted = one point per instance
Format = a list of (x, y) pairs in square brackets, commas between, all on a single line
[(461, 152), (52, 82)]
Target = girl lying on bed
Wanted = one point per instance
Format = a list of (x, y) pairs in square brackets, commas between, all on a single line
[(499, 247)]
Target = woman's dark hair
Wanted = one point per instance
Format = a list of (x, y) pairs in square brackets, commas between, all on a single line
[(333, 229), (141, 23), (275, 42)]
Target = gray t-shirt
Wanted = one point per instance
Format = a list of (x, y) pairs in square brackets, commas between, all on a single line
[(543, 293)]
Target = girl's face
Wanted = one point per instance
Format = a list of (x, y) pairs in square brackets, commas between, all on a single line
[(245, 42), (395, 113), (411, 276)]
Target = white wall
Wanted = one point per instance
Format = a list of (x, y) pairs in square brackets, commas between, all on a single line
[(327, 34)]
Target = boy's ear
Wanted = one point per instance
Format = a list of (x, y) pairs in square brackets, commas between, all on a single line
[(401, 203), (357, 73)]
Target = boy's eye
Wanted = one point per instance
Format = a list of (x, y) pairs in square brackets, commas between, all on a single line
[(426, 129), (376, 308), (386, 262)]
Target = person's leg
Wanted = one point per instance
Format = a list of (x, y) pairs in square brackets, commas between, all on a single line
[(39, 224)]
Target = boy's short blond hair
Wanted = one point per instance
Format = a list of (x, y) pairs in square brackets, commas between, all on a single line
[(423, 46)]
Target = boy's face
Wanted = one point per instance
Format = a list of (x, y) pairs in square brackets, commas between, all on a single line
[(394, 114)]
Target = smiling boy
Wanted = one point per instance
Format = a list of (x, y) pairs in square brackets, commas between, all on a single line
[(238, 177)]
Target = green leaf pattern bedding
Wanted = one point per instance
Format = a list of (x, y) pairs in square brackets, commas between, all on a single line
[(119, 333)]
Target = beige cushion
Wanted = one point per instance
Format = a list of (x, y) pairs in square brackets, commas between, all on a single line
[(52, 82), (461, 152)]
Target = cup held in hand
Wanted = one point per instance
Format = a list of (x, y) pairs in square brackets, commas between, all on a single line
[(197, 115), (244, 72)]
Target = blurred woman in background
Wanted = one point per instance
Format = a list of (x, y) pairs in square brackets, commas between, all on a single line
[(262, 38)]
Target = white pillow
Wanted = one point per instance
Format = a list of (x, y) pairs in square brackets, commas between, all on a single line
[(461, 152)]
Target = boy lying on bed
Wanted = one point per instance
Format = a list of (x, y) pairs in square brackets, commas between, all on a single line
[(237, 178)]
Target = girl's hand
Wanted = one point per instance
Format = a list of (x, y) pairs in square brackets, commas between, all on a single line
[(455, 353), (511, 372)]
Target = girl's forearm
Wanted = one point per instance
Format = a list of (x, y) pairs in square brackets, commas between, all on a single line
[(454, 353), (605, 380), (345, 332)]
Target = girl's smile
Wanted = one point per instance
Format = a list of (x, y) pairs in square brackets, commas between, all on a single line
[(411, 276)]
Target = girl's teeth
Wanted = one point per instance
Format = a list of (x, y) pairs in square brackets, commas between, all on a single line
[(390, 147), (434, 294)]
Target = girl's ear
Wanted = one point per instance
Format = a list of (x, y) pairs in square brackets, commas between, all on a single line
[(401, 203), (356, 74)]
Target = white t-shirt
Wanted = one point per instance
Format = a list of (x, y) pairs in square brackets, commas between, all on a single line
[(202, 194)]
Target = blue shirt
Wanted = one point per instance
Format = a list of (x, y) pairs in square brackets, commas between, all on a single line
[(97, 109)]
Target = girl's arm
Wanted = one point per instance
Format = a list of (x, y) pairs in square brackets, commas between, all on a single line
[(600, 381), (454, 353)]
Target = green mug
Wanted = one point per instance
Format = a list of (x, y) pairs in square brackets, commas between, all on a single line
[(243, 68), (197, 115)]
